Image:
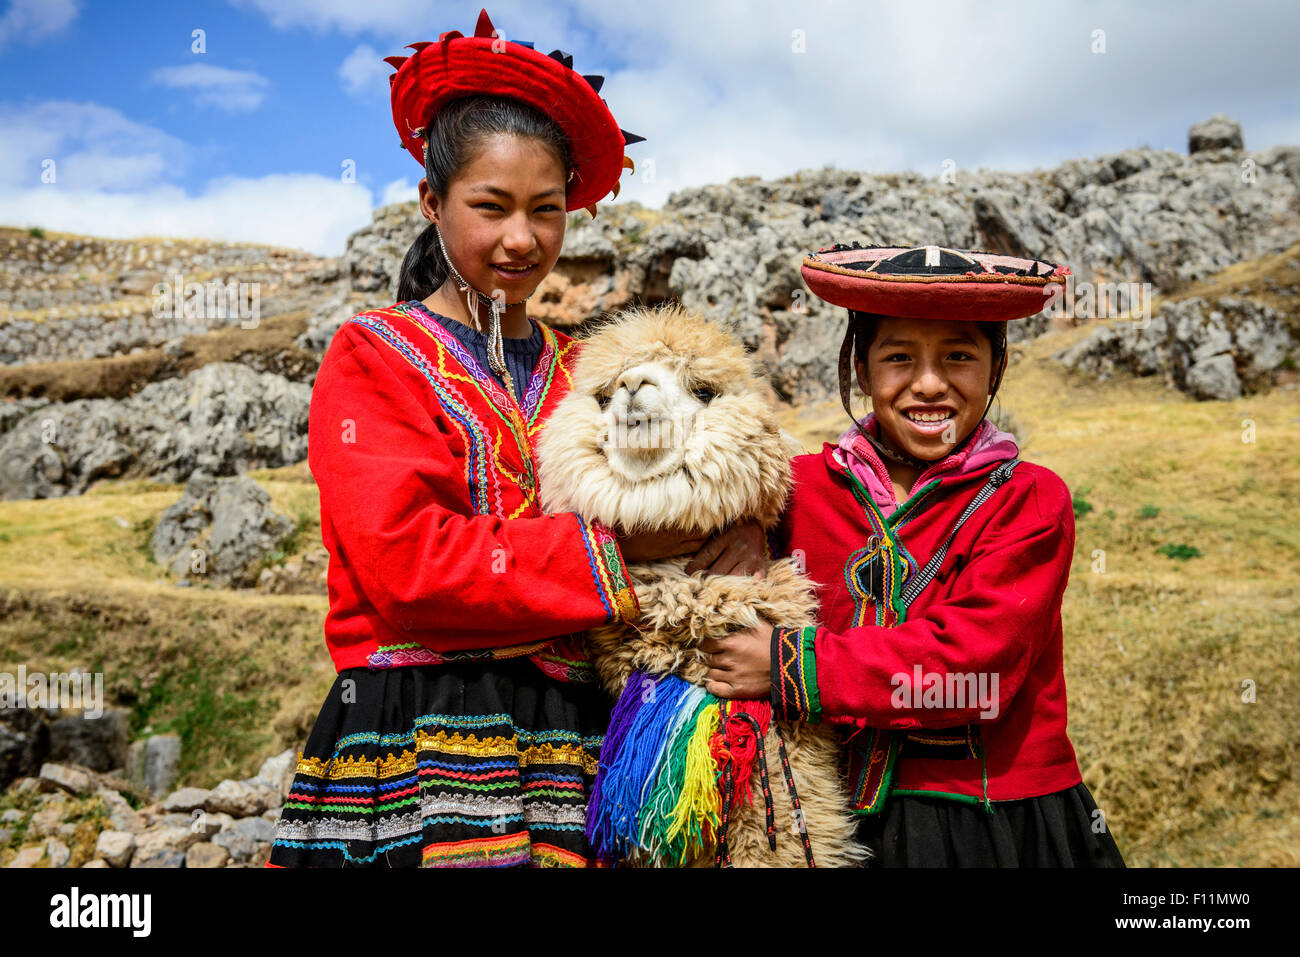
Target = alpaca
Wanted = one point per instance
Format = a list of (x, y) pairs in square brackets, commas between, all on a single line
[(670, 425)]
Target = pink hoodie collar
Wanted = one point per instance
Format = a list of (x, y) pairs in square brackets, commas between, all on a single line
[(989, 444)]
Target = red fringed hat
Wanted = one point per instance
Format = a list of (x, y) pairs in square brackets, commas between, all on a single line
[(931, 282), (485, 64)]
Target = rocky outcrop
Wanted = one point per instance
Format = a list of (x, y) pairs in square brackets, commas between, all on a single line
[(1219, 132), (304, 574), (99, 744), (151, 763), (24, 742), (328, 313), (1217, 349), (81, 297), (220, 532), (32, 738), (222, 419)]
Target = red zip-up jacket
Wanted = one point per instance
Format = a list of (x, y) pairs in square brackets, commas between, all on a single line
[(438, 546), (994, 608)]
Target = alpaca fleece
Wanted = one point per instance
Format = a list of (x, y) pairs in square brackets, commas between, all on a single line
[(669, 425)]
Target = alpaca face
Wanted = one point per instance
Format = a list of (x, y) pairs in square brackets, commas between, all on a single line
[(650, 421), (668, 425)]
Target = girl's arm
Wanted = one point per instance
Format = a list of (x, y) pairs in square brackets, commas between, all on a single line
[(391, 495), (1003, 610)]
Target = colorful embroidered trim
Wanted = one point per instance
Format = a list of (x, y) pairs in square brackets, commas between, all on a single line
[(562, 662), (871, 766), (449, 367), (469, 790), (507, 850), (909, 509), (606, 563), (540, 384), (483, 482), (563, 658), (794, 674), (501, 401), (413, 653), (548, 855), (874, 576)]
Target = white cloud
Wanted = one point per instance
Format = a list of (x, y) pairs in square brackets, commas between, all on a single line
[(235, 91), (33, 20), (364, 74), (92, 147), (304, 211), (719, 90), (115, 177), (399, 191)]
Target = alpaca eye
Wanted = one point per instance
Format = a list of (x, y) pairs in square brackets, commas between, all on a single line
[(705, 394), (603, 402)]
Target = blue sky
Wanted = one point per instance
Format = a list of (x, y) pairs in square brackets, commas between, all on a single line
[(299, 120), (247, 140)]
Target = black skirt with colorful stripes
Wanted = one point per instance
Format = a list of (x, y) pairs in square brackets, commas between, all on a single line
[(463, 764)]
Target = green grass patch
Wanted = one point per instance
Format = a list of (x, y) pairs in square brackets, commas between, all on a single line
[(1081, 505)]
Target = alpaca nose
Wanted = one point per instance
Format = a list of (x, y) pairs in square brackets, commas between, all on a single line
[(634, 379)]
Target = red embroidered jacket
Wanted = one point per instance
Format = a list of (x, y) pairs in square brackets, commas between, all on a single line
[(438, 546), (993, 609)]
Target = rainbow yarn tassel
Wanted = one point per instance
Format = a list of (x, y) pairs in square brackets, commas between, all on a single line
[(600, 826), (696, 813), (633, 768), (669, 832), (656, 787)]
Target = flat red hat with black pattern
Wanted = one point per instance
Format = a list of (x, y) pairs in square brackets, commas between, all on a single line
[(926, 282), (932, 282), (487, 64)]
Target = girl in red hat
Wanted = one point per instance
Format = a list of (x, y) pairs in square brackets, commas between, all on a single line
[(463, 728), (940, 560)]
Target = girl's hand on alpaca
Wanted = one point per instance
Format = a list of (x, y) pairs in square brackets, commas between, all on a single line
[(736, 550), (740, 665), (654, 546)]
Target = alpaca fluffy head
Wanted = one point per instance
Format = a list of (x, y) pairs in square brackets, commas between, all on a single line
[(669, 424)]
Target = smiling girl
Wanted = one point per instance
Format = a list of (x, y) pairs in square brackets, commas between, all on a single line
[(940, 561), (463, 728)]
